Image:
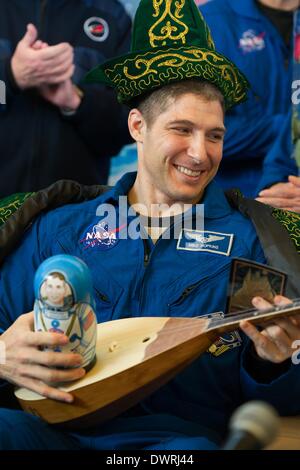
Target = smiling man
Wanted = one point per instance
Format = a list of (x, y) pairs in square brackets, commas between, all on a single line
[(179, 144), (177, 88)]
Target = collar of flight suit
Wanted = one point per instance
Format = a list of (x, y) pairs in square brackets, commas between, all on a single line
[(214, 199)]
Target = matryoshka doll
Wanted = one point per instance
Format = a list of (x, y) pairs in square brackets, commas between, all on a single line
[(64, 304)]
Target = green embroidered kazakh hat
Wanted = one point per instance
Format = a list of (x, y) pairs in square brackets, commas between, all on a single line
[(171, 42)]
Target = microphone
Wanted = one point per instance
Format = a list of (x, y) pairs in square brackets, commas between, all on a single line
[(252, 426)]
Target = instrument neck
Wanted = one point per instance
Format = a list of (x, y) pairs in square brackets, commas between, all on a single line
[(231, 321)]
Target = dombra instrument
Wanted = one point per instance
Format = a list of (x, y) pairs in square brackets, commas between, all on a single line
[(135, 356)]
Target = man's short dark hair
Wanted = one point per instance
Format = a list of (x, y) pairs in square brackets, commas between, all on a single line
[(156, 102), (57, 275)]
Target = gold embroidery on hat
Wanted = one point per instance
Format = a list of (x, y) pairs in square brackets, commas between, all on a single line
[(135, 76), (210, 42), (168, 25), (172, 59)]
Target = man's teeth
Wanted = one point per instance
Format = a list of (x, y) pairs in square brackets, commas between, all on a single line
[(188, 172)]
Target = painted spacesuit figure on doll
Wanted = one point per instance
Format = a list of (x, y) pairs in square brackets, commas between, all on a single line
[(64, 304)]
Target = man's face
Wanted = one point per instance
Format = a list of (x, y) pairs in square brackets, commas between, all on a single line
[(182, 149), (55, 290)]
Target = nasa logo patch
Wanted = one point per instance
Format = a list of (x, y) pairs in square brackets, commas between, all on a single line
[(99, 236)]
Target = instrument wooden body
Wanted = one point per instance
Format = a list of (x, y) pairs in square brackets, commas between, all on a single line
[(135, 356)]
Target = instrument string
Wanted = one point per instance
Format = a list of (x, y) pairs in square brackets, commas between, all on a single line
[(209, 324), (255, 313)]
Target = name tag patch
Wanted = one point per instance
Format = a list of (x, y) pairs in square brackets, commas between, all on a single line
[(200, 240)]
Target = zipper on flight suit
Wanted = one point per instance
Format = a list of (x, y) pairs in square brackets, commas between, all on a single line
[(185, 293), (147, 252), (188, 290), (102, 296)]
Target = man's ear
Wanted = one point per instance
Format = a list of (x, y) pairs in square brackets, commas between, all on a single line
[(136, 125)]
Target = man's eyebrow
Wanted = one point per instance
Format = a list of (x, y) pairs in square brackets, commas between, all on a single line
[(182, 122), (219, 129), (186, 122)]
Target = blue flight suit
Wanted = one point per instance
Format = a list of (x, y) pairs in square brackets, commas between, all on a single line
[(279, 162), (181, 278), (245, 35)]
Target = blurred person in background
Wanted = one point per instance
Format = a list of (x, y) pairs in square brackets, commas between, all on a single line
[(279, 185), (257, 36), (51, 128), (280, 182)]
